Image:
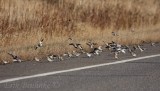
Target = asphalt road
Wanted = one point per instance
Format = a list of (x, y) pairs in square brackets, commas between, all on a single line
[(138, 75)]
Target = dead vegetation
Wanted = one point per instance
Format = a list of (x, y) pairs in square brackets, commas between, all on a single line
[(24, 22)]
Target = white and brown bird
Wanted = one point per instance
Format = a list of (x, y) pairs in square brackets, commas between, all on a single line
[(60, 57), (4, 62), (40, 44), (131, 52), (96, 51), (91, 44), (68, 54), (100, 48), (153, 44), (116, 55), (140, 48), (89, 54), (50, 58), (37, 59), (115, 34), (15, 57), (76, 45), (76, 53)]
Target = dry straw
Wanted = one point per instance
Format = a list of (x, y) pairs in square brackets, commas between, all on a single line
[(24, 22)]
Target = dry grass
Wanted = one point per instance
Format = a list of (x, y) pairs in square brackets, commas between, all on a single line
[(24, 22)]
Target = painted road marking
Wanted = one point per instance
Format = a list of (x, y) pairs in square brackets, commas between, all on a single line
[(75, 69)]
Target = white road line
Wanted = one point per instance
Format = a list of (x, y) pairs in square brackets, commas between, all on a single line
[(75, 69)]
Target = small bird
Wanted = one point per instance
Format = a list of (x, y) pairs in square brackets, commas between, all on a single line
[(5, 62), (135, 47), (65, 54), (89, 55), (40, 44), (105, 43), (116, 55), (91, 44), (50, 58), (15, 57), (115, 34), (54, 56), (95, 51), (82, 51), (60, 58), (76, 45), (69, 54), (112, 45), (76, 54), (100, 49), (123, 51), (36, 59), (80, 47), (132, 53), (153, 44), (141, 49)]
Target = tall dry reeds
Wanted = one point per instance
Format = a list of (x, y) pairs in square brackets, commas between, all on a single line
[(24, 22)]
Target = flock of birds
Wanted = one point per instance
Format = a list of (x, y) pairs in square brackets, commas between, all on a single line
[(95, 49)]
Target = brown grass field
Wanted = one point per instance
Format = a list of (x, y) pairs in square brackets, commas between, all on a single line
[(24, 22)]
